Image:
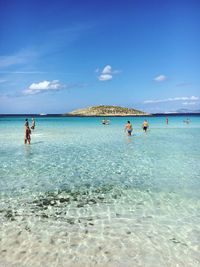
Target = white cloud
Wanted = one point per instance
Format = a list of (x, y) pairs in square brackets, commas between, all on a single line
[(107, 70), (105, 77), (160, 78), (188, 103), (183, 98), (44, 86), (107, 73), (194, 98)]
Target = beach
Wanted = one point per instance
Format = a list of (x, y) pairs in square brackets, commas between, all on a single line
[(86, 194)]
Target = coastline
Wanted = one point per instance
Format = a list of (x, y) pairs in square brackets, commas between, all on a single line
[(96, 116)]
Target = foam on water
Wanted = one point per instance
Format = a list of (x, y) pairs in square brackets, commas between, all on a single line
[(85, 194)]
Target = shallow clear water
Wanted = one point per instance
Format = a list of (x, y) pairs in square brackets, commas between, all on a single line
[(85, 194)]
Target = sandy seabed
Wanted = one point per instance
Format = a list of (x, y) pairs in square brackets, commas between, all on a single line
[(127, 228)]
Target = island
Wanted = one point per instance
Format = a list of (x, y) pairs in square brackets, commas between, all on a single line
[(106, 111)]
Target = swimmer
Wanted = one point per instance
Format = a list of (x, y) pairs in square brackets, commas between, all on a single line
[(128, 128), (105, 122), (27, 136), (187, 121), (145, 126), (26, 123), (33, 124)]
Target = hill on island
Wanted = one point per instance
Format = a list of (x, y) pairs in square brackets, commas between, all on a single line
[(106, 111)]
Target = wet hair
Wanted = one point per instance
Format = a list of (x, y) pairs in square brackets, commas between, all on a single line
[(26, 119), (128, 121)]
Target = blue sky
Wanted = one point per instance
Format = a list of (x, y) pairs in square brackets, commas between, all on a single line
[(57, 56)]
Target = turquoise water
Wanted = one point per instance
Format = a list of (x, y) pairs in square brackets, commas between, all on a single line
[(86, 194)]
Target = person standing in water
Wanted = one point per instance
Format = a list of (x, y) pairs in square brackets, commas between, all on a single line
[(128, 128), (145, 126), (26, 123), (187, 121), (167, 121), (33, 124), (27, 136)]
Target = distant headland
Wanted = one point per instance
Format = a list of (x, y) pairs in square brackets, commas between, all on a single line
[(106, 111)]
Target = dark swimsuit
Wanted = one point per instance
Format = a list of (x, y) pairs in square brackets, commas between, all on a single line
[(28, 137)]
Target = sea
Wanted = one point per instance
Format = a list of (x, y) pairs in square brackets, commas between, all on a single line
[(84, 194)]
